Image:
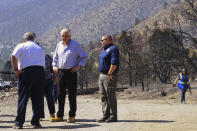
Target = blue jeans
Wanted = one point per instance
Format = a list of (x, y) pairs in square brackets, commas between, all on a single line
[(54, 93), (183, 91), (48, 87)]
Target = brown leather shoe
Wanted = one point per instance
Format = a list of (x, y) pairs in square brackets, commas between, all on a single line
[(56, 119), (71, 120)]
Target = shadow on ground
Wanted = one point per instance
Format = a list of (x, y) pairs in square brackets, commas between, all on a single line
[(7, 116), (74, 126), (85, 120), (5, 127), (4, 121), (147, 121)]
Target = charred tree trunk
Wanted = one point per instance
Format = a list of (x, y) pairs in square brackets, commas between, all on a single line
[(142, 84), (130, 71)]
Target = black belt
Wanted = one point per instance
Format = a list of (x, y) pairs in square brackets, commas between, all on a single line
[(33, 67), (103, 73), (64, 70)]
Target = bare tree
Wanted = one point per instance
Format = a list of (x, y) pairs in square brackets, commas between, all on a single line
[(189, 12), (164, 53), (124, 41)]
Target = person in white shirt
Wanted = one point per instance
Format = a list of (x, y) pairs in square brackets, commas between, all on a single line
[(28, 62)]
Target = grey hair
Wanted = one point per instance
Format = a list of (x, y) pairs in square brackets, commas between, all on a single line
[(65, 30), (29, 36)]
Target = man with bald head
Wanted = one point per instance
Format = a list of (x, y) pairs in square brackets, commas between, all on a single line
[(69, 56), (28, 62), (108, 68)]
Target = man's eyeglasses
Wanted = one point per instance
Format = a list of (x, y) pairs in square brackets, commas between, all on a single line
[(103, 40)]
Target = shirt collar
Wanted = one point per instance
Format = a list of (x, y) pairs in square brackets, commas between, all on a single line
[(108, 46), (69, 43)]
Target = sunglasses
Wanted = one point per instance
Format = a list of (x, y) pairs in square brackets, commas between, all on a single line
[(103, 40)]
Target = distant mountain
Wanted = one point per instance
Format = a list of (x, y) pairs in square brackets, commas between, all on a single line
[(88, 19), (166, 19), (110, 18), (19, 16)]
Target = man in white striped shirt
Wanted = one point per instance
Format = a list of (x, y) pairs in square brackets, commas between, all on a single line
[(68, 58)]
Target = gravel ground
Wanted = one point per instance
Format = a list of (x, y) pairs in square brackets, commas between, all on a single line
[(156, 114)]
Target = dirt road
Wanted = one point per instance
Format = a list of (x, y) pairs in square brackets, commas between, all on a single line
[(133, 115)]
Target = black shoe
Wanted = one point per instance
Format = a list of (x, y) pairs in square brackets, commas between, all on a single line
[(111, 120), (103, 119), (36, 126), (17, 127)]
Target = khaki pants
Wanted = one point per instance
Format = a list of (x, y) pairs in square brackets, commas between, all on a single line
[(107, 88)]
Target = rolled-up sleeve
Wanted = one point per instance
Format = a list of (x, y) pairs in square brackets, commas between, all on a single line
[(115, 57), (17, 51), (83, 56)]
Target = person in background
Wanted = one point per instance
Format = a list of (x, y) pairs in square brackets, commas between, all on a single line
[(108, 68), (68, 58), (28, 62), (183, 83), (48, 87), (54, 91)]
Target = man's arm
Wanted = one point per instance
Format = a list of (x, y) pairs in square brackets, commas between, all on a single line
[(174, 83), (114, 62), (111, 70), (14, 62), (83, 59), (55, 70), (83, 56), (15, 66)]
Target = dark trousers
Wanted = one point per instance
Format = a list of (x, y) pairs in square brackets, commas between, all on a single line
[(48, 87), (30, 85), (66, 81), (183, 91), (54, 93)]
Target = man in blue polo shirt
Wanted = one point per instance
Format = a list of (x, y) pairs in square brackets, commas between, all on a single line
[(108, 68)]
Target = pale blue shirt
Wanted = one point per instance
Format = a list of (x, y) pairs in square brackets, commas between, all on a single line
[(66, 57), (29, 54)]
